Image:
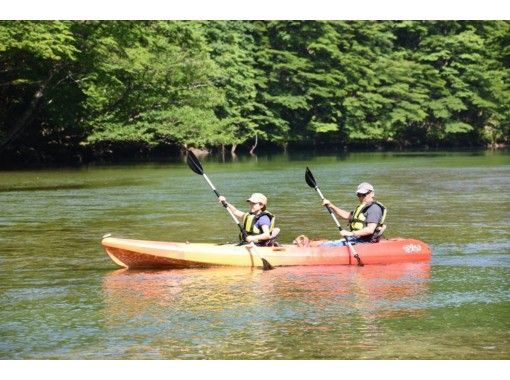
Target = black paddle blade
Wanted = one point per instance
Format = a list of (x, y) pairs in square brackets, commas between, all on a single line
[(309, 178), (193, 162), (266, 265)]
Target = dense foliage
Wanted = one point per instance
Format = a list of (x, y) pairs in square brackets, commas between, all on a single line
[(95, 88)]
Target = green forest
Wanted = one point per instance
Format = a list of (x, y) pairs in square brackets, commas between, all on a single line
[(78, 91)]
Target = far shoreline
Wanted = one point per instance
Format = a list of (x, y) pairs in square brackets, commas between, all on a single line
[(174, 155)]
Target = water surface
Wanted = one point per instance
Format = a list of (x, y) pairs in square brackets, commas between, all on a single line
[(64, 299)]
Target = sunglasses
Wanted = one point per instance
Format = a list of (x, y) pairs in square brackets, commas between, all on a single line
[(362, 195)]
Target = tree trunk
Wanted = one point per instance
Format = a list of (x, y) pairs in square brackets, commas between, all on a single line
[(24, 121), (252, 150)]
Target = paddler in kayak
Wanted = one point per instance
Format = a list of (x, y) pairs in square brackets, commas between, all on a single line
[(366, 222), (258, 222)]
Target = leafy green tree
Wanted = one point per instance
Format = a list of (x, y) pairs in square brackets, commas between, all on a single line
[(232, 48), (461, 54), (107, 86), (152, 83)]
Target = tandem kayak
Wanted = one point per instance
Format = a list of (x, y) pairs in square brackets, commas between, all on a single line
[(141, 254)]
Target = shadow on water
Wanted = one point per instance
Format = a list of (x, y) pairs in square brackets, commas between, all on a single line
[(70, 186)]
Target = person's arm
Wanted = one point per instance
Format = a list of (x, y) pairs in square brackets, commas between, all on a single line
[(265, 235), (337, 210), (235, 211), (365, 231)]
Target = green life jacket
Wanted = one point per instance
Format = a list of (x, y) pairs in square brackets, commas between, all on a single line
[(249, 221), (358, 220)]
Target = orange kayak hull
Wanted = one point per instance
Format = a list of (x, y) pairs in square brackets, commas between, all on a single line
[(140, 254)]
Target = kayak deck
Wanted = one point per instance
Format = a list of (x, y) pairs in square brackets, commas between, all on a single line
[(134, 254)]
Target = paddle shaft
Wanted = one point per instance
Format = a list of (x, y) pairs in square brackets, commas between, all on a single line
[(329, 210), (243, 232)]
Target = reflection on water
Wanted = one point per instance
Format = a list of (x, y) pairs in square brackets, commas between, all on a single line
[(243, 313)]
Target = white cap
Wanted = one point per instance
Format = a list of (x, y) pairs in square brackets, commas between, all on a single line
[(364, 188), (257, 198)]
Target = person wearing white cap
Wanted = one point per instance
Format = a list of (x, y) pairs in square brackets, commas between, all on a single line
[(366, 222), (258, 222)]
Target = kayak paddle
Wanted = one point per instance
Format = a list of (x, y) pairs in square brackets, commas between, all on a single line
[(310, 180), (195, 165)]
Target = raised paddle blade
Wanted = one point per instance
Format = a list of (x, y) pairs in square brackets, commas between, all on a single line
[(193, 162), (309, 178)]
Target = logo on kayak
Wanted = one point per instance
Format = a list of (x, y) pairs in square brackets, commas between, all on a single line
[(411, 248)]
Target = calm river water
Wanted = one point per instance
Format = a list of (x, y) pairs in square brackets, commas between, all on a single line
[(63, 298)]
